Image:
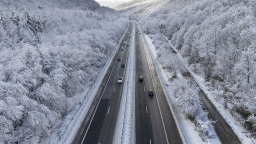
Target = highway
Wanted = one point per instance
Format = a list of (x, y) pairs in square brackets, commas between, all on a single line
[(99, 124), (154, 120)]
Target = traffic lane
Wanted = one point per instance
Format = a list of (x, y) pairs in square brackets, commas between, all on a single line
[(86, 123), (160, 102), (170, 124), (144, 134), (109, 123), (108, 128), (96, 127), (93, 133), (154, 113), (223, 130), (119, 71)]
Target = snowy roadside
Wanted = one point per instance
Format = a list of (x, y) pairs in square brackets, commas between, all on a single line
[(236, 127), (67, 132), (185, 126), (125, 127)]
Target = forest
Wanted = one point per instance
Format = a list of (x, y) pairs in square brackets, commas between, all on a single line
[(49, 55), (216, 38)]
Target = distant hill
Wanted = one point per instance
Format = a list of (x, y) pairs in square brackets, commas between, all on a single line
[(29, 5), (142, 7)]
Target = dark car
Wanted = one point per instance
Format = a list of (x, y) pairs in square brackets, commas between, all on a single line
[(122, 49), (141, 78), (150, 93), (123, 65), (118, 59)]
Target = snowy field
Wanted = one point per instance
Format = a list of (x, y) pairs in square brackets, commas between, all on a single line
[(51, 54)]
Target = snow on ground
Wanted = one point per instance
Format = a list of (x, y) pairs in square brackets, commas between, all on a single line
[(50, 56), (238, 129), (185, 126), (73, 122), (125, 127), (217, 40)]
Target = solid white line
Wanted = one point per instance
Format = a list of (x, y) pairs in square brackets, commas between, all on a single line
[(108, 110), (156, 96), (99, 100), (150, 141), (146, 109)]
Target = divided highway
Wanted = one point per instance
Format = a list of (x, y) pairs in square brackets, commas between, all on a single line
[(99, 124), (154, 120)]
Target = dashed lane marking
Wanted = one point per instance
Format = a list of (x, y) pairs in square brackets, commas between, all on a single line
[(108, 110)]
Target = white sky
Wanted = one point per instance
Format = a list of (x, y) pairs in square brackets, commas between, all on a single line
[(111, 3)]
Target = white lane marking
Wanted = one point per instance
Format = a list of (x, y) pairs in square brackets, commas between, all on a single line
[(114, 89), (108, 110), (100, 98), (144, 88), (146, 109), (151, 75), (150, 141)]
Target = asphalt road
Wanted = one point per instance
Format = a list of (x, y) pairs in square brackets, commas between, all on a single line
[(223, 130), (99, 124), (221, 126), (144, 134), (154, 120)]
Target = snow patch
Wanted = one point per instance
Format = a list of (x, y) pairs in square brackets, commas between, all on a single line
[(125, 126)]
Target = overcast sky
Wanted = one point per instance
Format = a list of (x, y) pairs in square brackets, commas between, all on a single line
[(111, 3)]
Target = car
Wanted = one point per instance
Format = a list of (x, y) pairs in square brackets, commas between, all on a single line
[(118, 59), (127, 44), (141, 78), (123, 65), (150, 93), (122, 49), (120, 80)]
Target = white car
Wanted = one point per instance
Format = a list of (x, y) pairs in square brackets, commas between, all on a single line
[(120, 80)]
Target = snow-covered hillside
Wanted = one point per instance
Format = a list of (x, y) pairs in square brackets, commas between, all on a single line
[(50, 52), (217, 40)]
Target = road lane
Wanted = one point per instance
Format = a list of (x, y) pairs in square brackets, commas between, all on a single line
[(144, 132), (100, 128), (163, 124)]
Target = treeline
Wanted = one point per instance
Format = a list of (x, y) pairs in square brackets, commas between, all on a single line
[(217, 39)]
